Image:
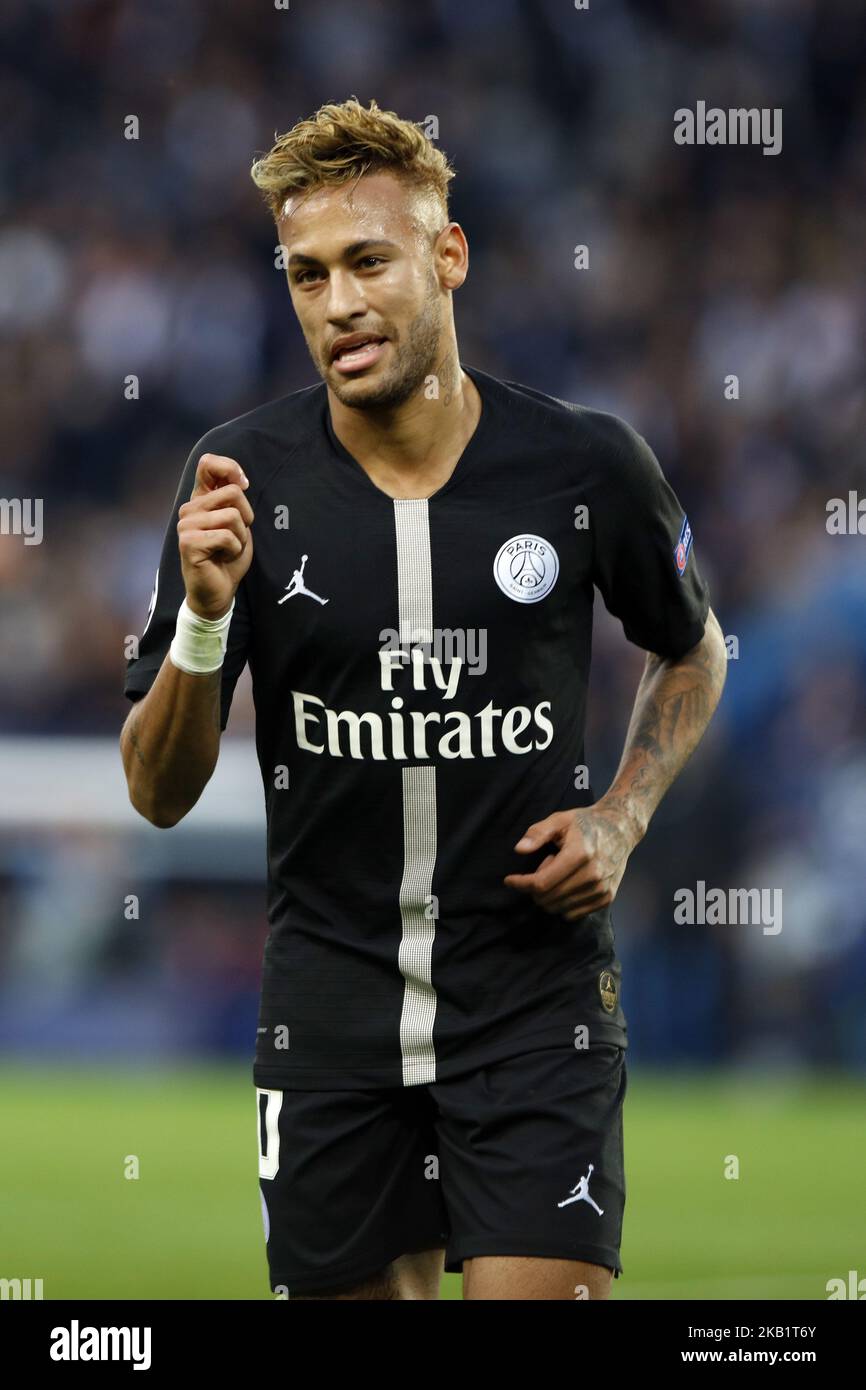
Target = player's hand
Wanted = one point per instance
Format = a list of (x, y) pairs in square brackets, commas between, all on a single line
[(592, 846), (213, 531)]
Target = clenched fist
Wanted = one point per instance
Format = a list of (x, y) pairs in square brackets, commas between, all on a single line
[(213, 529)]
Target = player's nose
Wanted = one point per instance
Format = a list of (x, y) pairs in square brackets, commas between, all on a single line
[(346, 300)]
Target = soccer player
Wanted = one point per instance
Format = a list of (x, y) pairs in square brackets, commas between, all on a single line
[(405, 554)]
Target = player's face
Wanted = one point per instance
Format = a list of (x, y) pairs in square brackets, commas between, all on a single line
[(387, 288)]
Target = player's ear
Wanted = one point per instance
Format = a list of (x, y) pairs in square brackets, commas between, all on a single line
[(451, 256)]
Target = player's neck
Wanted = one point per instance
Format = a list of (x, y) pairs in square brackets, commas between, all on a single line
[(412, 449)]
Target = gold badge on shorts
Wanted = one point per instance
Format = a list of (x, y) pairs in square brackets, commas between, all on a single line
[(607, 990)]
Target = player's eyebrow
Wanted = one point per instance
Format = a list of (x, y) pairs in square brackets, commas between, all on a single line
[(296, 258)]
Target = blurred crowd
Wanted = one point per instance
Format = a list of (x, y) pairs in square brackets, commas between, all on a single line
[(153, 258)]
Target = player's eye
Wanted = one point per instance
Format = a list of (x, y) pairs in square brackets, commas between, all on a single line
[(302, 276)]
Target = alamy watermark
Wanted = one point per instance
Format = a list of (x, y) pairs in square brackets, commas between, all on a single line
[(846, 516), (21, 1289), (22, 516), (732, 906), (442, 647), (736, 126), (77, 1343)]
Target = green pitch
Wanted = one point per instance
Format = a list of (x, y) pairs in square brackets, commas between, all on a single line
[(189, 1226)]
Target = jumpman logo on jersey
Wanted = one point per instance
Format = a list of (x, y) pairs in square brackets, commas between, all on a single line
[(298, 586), (580, 1193)]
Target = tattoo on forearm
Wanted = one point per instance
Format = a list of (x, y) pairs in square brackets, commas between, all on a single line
[(674, 704), (136, 746)]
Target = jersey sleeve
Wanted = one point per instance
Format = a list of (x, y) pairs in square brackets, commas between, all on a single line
[(167, 596), (643, 558)]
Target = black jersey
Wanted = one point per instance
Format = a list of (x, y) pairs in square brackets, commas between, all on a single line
[(420, 673)]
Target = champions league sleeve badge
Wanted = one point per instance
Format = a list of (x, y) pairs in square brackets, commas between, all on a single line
[(683, 547)]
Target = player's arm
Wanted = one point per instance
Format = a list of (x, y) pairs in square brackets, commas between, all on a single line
[(170, 741), (642, 563), (675, 701), (674, 704)]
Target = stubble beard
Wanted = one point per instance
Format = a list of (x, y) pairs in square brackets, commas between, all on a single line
[(414, 361)]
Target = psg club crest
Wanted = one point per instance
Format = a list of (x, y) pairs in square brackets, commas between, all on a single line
[(683, 547), (526, 568)]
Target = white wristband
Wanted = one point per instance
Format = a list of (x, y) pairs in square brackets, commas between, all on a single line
[(199, 644)]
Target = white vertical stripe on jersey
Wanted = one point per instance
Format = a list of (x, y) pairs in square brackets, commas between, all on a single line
[(419, 925), (415, 605)]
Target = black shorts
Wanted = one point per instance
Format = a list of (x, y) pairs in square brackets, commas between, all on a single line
[(521, 1157)]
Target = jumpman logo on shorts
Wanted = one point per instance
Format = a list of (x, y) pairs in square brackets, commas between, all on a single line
[(298, 586), (580, 1193)]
